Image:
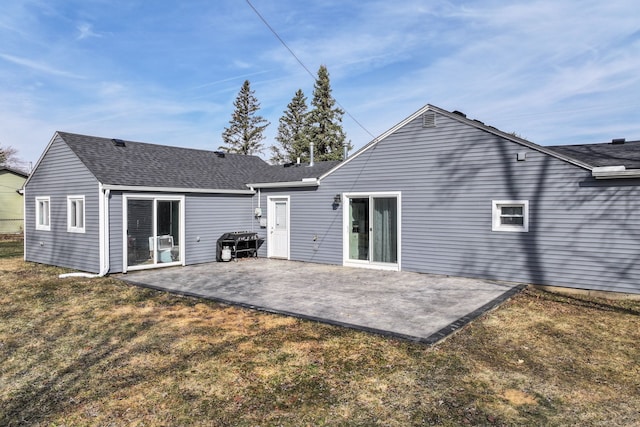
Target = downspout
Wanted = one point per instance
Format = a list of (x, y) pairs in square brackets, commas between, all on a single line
[(106, 246), (24, 223), (104, 238)]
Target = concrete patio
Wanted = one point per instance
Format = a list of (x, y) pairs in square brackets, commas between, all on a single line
[(418, 307)]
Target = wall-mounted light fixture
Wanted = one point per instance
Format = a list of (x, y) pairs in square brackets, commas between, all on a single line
[(336, 199)]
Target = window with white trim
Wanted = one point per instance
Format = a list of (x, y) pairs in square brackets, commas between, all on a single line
[(75, 214), (510, 215), (43, 210)]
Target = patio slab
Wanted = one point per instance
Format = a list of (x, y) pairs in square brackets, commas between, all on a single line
[(418, 307)]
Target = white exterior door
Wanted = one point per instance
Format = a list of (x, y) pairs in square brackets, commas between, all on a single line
[(278, 227)]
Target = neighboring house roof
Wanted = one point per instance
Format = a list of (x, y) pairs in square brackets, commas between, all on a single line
[(616, 153), (137, 164), (292, 174), (14, 171)]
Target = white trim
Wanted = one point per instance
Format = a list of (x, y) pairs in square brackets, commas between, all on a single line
[(24, 227), (103, 227), (73, 214), (457, 117), (307, 182), (612, 172), (155, 198), (43, 227), (271, 217), (346, 226), (176, 189), (44, 153), (496, 212)]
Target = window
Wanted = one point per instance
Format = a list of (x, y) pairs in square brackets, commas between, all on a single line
[(510, 215), (75, 214), (42, 213)]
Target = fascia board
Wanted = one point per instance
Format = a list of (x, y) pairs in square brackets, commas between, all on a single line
[(376, 140), (44, 153), (510, 137), (175, 189), (286, 184)]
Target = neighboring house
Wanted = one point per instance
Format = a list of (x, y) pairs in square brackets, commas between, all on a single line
[(11, 200), (437, 193)]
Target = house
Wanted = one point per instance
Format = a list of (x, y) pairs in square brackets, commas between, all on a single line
[(11, 200), (105, 205), (437, 193), (441, 193)]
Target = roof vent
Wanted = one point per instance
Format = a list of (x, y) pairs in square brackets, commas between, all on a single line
[(118, 142), (618, 141), (460, 113), (220, 154), (429, 119)]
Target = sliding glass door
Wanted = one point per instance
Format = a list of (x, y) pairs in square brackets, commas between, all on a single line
[(153, 231), (372, 230)]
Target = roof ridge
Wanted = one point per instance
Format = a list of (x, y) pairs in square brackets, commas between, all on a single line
[(80, 135)]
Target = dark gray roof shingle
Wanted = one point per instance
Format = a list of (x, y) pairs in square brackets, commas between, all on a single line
[(604, 154), (294, 172), (14, 171), (141, 164), (151, 165)]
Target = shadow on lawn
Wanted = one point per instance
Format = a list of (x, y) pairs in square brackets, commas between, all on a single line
[(587, 302), (64, 366)]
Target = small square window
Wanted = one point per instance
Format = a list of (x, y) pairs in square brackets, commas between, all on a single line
[(75, 214), (43, 210), (510, 215)]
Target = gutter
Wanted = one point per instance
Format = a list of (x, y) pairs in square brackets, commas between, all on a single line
[(174, 189), (613, 172), (306, 182)]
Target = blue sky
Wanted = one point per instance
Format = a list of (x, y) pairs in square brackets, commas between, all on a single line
[(555, 72)]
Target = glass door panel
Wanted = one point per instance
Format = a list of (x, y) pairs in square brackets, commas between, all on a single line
[(359, 228), (385, 238), (168, 231), (139, 232)]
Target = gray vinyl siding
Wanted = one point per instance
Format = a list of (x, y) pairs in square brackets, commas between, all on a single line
[(582, 233), (314, 226), (61, 174), (116, 256), (210, 216)]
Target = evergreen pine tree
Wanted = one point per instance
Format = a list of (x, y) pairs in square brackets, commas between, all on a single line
[(245, 132), (292, 132), (325, 121)]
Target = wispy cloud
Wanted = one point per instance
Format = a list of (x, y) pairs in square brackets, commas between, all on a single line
[(85, 31), (39, 66), (555, 72)]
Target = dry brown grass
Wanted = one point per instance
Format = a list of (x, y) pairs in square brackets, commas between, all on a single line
[(100, 352)]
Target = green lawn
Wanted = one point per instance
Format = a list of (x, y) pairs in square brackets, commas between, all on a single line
[(101, 352)]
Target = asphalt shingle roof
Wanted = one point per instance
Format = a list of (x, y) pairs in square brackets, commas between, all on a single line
[(604, 154), (150, 165), (295, 172)]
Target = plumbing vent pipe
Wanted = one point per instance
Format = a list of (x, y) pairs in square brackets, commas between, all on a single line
[(311, 153)]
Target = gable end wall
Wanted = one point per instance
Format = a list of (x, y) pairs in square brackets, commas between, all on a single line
[(58, 175), (582, 233)]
